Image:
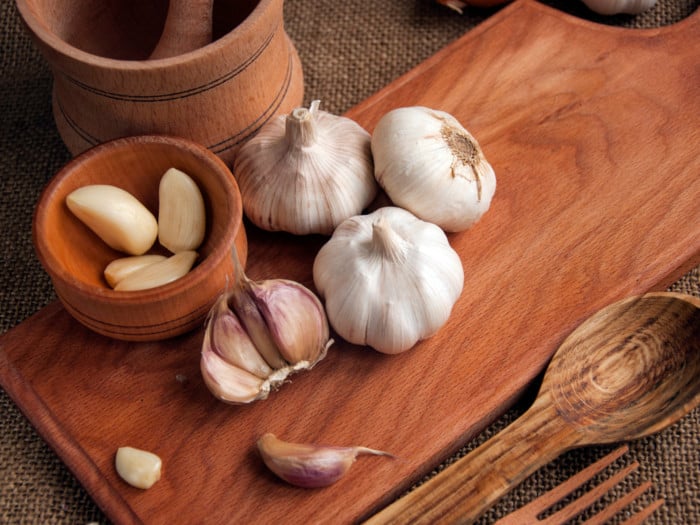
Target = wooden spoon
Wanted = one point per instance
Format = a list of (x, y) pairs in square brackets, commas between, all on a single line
[(188, 26), (630, 370)]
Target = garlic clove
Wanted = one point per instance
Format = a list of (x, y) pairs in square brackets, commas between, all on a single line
[(306, 465), (226, 336), (613, 7), (230, 383), (116, 216), (294, 317), (181, 212), (118, 269), (139, 468), (159, 273)]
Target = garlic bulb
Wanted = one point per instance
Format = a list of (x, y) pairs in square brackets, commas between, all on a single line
[(306, 172), (309, 465), (429, 164), (257, 334), (613, 7), (388, 278)]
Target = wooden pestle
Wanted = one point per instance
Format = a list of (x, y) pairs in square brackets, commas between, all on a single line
[(188, 26)]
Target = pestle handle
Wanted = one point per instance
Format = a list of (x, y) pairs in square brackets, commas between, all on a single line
[(188, 26), (471, 485)]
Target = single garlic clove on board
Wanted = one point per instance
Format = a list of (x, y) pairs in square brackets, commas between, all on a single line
[(613, 7), (181, 212), (257, 334), (306, 465), (159, 273), (139, 468), (118, 269), (116, 216)]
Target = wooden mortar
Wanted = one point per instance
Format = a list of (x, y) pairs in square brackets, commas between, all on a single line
[(105, 86)]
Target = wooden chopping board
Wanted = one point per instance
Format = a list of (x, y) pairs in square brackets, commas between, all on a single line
[(593, 133)]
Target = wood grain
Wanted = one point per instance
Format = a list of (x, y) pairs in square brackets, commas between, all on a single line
[(592, 132)]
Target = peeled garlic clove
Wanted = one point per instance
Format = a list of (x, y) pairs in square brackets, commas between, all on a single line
[(226, 336), (309, 466), (294, 317), (159, 273), (230, 383), (430, 165), (116, 216), (118, 269), (138, 468), (306, 172), (388, 279), (613, 7), (181, 212)]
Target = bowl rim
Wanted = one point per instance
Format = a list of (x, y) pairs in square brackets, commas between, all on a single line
[(106, 294), (216, 47)]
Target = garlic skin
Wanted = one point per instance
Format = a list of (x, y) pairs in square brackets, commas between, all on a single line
[(388, 279), (307, 465), (257, 334), (429, 164), (306, 172), (613, 7), (116, 216)]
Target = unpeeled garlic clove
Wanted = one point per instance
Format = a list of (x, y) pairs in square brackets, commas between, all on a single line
[(139, 468), (159, 273), (116, 216), (181, 212), (119, 269), (230, 383), (306, 465)]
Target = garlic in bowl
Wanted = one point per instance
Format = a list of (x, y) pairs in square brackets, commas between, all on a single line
[(75, 257)]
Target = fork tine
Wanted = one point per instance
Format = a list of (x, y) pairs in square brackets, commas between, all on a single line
[(615, 507), (528, 513), (579, 505), (639, 517)]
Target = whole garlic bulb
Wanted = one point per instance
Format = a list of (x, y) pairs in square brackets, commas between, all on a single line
[(429, 164), (388, 279), (613, 7), (306, 172)]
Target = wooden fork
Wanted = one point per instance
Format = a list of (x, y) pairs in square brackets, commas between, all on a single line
[(529, 513)]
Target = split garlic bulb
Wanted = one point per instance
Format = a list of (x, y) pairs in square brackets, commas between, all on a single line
[(388, 279), (427, 163), (257, 334), (306, 172)]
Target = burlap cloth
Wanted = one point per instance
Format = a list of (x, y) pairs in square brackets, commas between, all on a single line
[(349, 49)]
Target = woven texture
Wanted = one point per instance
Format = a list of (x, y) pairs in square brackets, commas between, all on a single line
[(349, 50)]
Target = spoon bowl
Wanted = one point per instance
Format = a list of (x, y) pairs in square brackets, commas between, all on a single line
[(628, 371)]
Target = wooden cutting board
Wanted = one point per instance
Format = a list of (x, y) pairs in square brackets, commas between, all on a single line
[(593, 133)]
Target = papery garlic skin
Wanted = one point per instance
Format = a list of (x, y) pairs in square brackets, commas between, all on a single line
[(306, 172), (308, 465), (429, 164), (388, 279), (613, 7)]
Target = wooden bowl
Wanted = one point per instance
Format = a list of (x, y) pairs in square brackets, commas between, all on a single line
[(75, 258), (106, 86)]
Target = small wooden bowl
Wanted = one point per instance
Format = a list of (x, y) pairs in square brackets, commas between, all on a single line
[(75, 258)]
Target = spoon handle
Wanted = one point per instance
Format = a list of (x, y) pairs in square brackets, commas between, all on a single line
[(468, 487)]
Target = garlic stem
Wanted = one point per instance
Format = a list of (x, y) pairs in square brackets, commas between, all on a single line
[(387, 242), (300, 126)]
